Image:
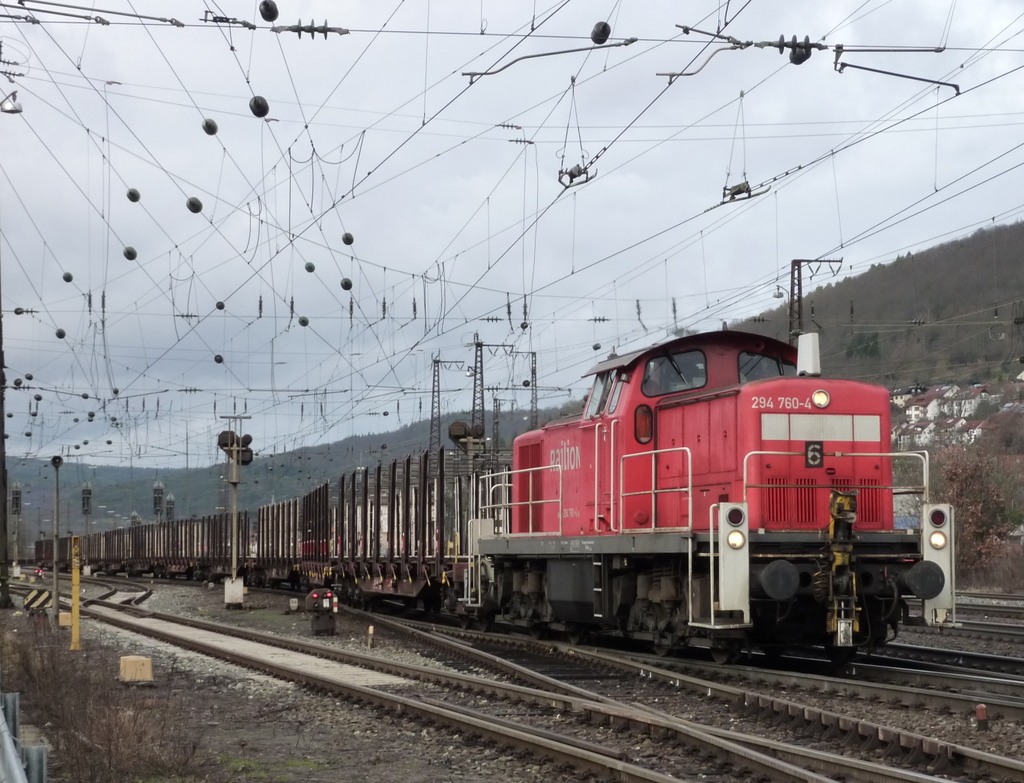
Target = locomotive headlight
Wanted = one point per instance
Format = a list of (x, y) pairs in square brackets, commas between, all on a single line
[(736, 539), (820, 398), (937, 539)]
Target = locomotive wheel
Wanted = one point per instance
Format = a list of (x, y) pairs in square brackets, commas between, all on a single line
[(724, 654)]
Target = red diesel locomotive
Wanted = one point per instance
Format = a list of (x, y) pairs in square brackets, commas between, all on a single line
[(710, 494)]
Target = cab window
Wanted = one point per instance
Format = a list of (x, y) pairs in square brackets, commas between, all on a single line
[(599, 394), (613, 402), (674, 372), (757, 366)]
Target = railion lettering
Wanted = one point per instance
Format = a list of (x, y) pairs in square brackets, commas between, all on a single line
[(566, 455)]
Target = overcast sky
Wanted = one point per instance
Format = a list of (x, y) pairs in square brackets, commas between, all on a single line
[(450, 188)]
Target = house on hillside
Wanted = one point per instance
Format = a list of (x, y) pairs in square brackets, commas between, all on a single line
[(966, 401), (909, 435), (900, 397), (929, 405)]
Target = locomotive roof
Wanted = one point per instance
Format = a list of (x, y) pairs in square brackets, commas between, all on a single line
[(724, 337)]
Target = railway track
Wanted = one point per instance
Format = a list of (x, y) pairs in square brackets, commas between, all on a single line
[(770, 709), (774, 759), (581, 754)]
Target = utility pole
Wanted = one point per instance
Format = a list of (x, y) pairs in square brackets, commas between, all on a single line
[(56, 461), (477, 415), (434, 445), (796, 290)]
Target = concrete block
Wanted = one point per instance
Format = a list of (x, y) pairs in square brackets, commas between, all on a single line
[(64, 620), (136, 668)]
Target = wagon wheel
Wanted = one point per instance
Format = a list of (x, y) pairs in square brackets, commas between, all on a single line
[(577, 634), (539, 630), (487, 622), (465, 621)]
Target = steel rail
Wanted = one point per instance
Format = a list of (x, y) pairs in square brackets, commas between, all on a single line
[(914, 748), (959, 659), (535, 742)]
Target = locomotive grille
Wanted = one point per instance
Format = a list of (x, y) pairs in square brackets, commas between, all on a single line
[(869, 506), (789, 502)]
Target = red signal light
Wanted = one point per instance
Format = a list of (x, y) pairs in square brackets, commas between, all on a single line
[(938, 517), (327, 595), (316, 595), (735, 516)]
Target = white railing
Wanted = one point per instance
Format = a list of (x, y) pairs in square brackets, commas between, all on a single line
[(505, 505), (914, 489), (654, 491)]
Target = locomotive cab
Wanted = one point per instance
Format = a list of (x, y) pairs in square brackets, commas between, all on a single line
[(708, 495)]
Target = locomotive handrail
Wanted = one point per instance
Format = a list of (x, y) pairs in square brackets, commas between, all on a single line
[(611, 481), (654, 491), (921, 455), (509, 505)]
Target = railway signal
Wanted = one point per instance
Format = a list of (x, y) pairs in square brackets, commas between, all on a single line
[(239, 453)]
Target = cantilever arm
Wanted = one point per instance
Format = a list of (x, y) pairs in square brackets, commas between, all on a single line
[(474, 75), (673, 76)]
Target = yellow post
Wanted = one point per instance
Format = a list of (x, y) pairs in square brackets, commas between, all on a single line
[(76, 564)]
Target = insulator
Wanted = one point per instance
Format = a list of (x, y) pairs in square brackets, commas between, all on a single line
[(801, 53), (601, 33), (597, 346), (28, 376), (258, 106), (210, 127), (37, 397), (194, 205)]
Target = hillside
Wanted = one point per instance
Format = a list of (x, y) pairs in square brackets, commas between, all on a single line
[(953, 312), (117, 492), (946, 313)]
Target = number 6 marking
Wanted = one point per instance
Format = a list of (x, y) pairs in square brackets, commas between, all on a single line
[(814, 454)]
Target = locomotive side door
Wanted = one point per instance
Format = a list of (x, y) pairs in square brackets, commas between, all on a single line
[(598, 433)]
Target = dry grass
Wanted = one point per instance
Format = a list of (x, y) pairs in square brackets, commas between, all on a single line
[(1003, 572), (101, 731)]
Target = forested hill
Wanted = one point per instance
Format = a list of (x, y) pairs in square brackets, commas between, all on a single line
[(946, 313)]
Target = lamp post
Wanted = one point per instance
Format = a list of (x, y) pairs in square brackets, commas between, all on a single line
[(9, 105), (56, 461)]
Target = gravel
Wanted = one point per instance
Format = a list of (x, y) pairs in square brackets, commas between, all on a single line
[(258, 725)]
